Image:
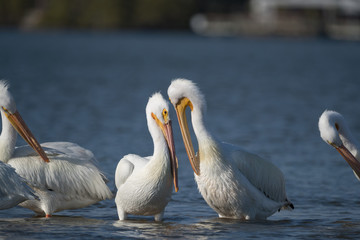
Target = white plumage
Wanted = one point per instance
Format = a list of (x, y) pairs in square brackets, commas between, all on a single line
[(13, 189), (145, 183), (235, 183), (335, 132), (66, 177)]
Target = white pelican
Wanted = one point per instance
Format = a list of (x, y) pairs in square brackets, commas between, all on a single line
[(13, 189), (235, 183), (335, 132), (145, 183), (68, 180)]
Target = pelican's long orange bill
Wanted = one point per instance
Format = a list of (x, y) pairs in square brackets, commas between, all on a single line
[(20, 126), (185, 132), (351, 160), (171, 145)]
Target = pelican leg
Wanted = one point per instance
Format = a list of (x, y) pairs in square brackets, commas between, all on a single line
[(122, 214), (46, 208), (158, 217)]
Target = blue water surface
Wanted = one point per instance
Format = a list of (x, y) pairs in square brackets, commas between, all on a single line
[(265, 95)]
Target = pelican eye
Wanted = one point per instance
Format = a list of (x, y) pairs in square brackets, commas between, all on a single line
[(165, 114), (337, 126)]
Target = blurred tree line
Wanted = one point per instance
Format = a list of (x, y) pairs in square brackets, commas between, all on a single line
[(110, 14)]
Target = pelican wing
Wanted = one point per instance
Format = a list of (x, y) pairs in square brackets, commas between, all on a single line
[(264, 175), (54, 149), (71, 170), (126, 166), (27, 151), (13, 189)]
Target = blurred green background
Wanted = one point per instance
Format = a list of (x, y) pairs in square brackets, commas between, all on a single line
[(337, 19), (109, 14)]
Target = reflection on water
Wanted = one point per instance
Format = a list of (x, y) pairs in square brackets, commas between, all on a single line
[(145, 229), (265, 95)]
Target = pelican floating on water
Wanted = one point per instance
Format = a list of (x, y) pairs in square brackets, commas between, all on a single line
[(335, 132), (235, 183), (65, 177), (13, 189), (145, 183)]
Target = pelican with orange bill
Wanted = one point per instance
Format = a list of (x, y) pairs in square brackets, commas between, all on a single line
[(335, 132), (235, 183), (145, 183), (62, 175)]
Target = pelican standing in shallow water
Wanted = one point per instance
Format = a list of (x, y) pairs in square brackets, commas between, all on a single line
[(13, 189), (145, 183), (65, 177), (235, 183), (335, 132)]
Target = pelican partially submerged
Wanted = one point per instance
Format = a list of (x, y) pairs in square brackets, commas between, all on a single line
[(335, 132), (64, 176), (145, 183), (235, 183), (13, 188)]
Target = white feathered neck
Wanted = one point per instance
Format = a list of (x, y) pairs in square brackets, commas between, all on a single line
[(8, 133), (155, 105), (180, 88)]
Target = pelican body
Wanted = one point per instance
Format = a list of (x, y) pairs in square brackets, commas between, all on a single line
[(145, 183), (235, 183), (335, 132), (64, 176), (13, 189)]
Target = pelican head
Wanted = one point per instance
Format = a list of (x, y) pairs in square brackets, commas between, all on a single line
[(158, 118), (329, 125), (184, 93), (334, 131), (6, 99), (8, 107)]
